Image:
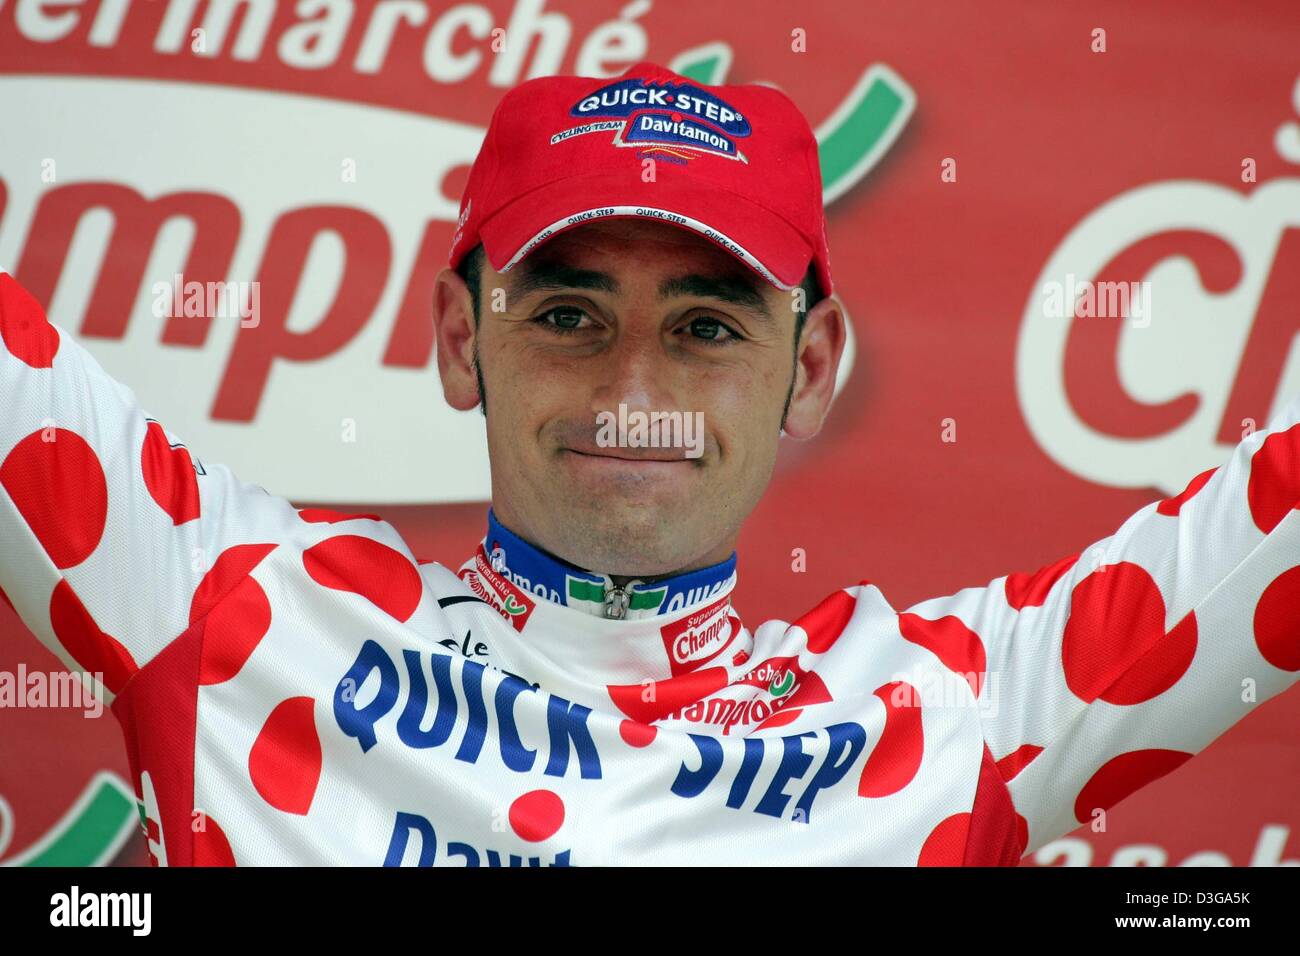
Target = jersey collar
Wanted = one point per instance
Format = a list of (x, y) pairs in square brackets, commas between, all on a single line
[(550, 579)]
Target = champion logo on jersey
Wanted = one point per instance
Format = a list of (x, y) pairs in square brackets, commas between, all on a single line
[(700, 637), (679, 120), (513, 603)]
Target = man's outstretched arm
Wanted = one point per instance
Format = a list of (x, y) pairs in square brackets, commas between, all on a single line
[(113, 538), (1109, 669)]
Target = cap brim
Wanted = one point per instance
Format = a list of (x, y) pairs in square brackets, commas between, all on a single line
[(756, 236)]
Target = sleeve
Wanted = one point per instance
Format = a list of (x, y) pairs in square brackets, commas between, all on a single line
[(1106, 670), (114, 538)]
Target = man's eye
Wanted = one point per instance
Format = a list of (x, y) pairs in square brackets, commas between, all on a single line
[(563, 318), (711, 330)]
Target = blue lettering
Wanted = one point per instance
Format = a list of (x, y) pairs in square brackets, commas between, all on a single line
[(360, 724), (748, 769), (463, 849), (513, 752), (402, 828), (471, 676), (691, 783), (565, 721), (794, 763), (408, 725), (847, 741)]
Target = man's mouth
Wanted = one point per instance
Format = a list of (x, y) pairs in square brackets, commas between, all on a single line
[(634, 455), (635, 465)]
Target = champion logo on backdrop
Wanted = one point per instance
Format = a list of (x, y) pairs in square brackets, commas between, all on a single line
[(674, 118)]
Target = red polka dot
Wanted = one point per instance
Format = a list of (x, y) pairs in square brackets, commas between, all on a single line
[(25, 331), (536, 815), (92, 649), (1171, 506), (326, 516), (946, 844), (1122, 776), (285, 762), (956, 645), (211, 848), (739, 658), (58, 486), (232, 631), (1274, 486), (169, 476), (1022, 834), (1115, 647), (228, 572), (1277, 621), (897, 755), (647, 702), (826, 622), (811, 690), (363, 566), (1030, 590), (637, 734), (1017, 760), (787, 715)]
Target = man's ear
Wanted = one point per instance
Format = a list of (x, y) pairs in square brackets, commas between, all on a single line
[(817, 359), (455, 329)]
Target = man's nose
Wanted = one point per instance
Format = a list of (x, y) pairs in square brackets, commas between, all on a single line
[(635, 372)]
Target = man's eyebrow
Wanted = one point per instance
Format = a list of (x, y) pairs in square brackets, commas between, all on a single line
[(549, 276), (737, 290)]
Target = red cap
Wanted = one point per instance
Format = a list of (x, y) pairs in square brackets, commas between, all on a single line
[(737, 164)]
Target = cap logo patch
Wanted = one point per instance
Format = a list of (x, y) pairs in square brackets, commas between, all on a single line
[(678, 118)]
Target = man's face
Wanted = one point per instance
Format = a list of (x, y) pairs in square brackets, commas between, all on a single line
[(658, 320)]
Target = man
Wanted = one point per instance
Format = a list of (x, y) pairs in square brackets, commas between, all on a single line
[(294, 688)]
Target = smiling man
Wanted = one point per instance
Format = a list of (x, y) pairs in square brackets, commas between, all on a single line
[(658, 320), (294, 687)]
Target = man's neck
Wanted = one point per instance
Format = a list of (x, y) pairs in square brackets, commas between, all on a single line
[(547, 576)]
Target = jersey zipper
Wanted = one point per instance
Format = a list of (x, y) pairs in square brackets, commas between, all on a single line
[(616, 602)]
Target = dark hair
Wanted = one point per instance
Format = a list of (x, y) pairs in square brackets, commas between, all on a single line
[(471, 270)]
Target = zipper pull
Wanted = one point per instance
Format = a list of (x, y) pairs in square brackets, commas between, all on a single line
[(616, 602)]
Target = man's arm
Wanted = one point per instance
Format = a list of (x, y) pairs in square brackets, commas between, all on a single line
[(1109, 669), (113, 538)]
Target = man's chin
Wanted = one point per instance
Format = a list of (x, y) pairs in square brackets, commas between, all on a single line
[(628, 539)]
